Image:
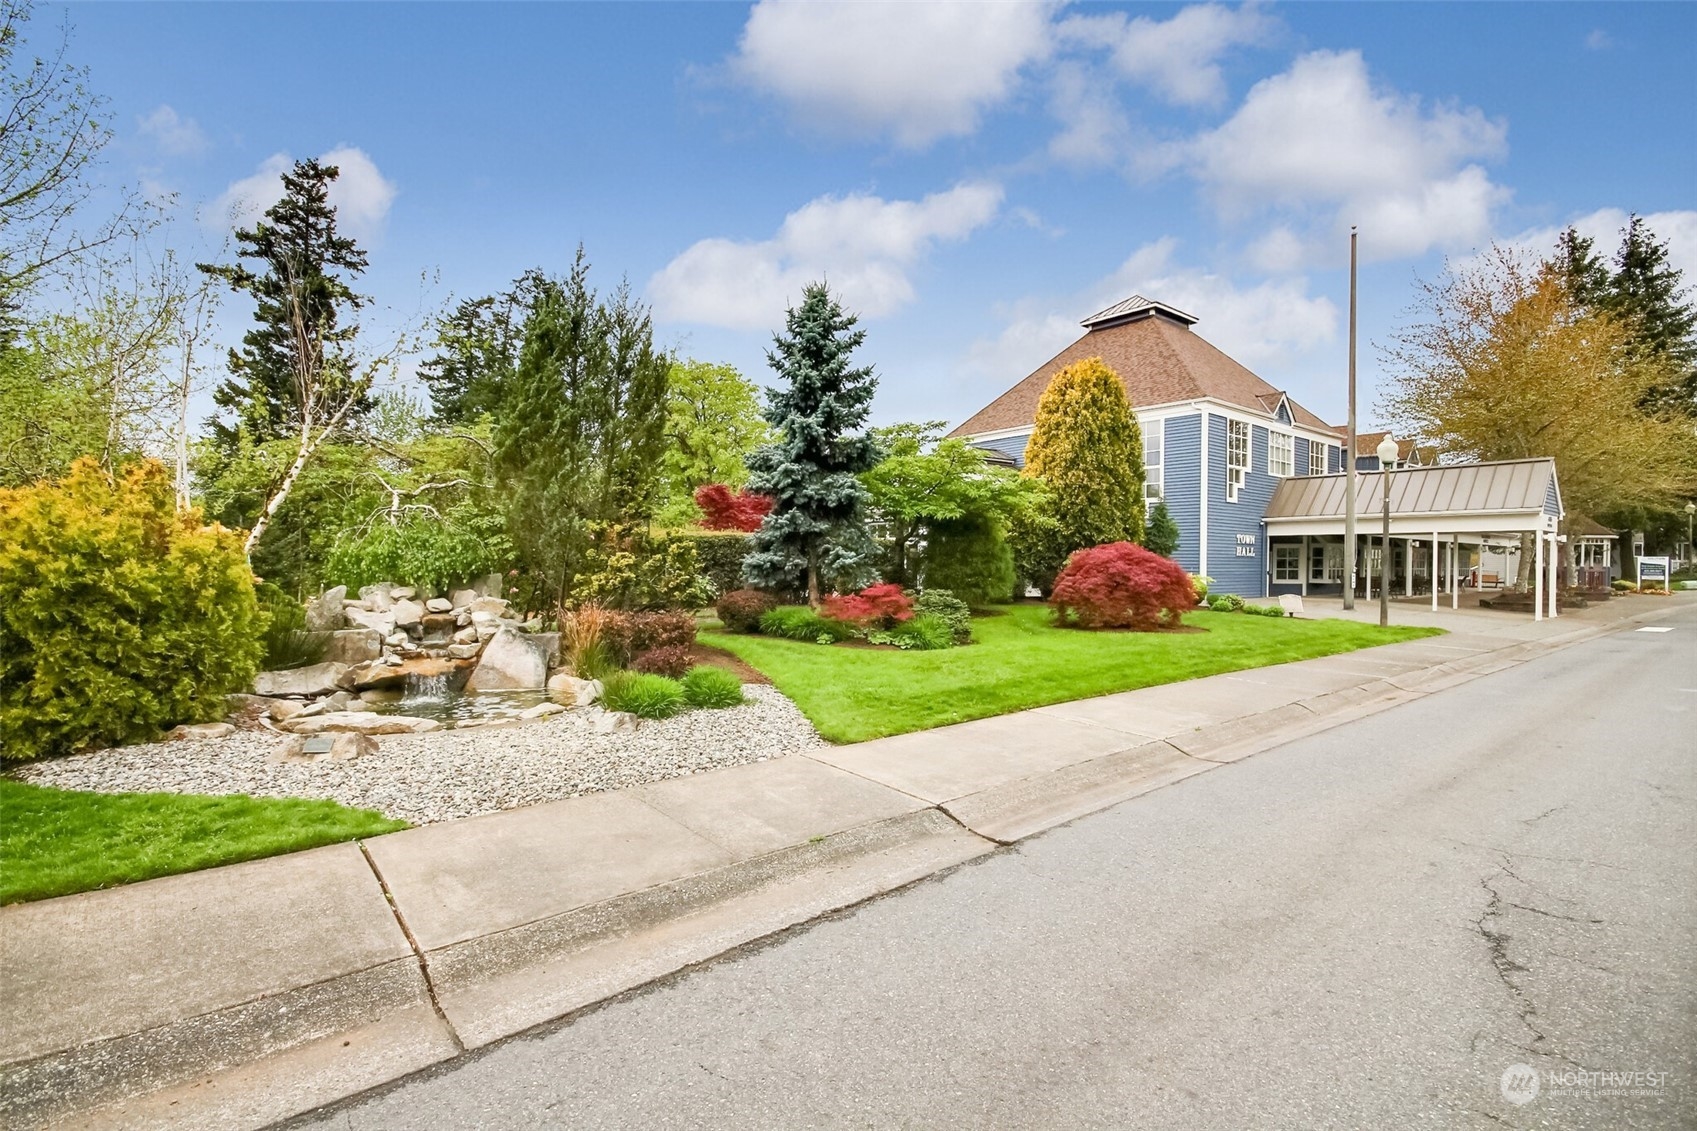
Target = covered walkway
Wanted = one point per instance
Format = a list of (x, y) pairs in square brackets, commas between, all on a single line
[(1447, 524)]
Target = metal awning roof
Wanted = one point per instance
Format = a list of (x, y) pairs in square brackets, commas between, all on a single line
[(1505, 496)]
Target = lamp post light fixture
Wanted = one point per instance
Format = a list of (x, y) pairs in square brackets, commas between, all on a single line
[(1690, 509), (1387, 456)]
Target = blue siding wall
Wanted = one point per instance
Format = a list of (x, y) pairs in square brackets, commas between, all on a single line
[(1010, 446), (1234, 573), (1301, 457), (1334, 459), (1552, 499), (1183, 459)]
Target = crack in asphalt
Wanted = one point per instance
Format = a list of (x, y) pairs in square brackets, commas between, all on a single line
[(1496, 941)]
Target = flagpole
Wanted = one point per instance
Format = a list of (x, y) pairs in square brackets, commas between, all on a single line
[(1349, 448)]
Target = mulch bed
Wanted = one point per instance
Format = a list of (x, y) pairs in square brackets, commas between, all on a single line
[(719, 658)]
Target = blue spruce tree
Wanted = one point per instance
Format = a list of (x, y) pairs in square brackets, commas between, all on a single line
[(816, 532)]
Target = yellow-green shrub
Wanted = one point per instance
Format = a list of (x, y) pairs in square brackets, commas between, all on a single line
[(118, 616)]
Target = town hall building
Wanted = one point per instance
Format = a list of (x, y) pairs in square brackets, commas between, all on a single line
[(1255, 481)]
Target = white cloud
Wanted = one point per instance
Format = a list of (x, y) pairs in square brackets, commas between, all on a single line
[(173, 134), (1598, 40), (360, 193), (917, 72), (1094, 127), (1677, 229), (1268, 323), (1177, 58), (863, 245), (1320, 141)]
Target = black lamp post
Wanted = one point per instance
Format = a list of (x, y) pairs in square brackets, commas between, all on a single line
[(1387, 456)]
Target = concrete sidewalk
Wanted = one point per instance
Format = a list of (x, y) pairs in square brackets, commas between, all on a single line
[(242, 995)]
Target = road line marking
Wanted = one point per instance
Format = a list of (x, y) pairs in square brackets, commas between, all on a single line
[(1663, 628)]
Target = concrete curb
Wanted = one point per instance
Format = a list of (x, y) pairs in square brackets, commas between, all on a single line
[(302, 1046)]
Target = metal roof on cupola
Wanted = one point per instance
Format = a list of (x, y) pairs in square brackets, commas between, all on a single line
[(1134, 308)]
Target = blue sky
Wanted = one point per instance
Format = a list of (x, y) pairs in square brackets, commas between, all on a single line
[(974, 179)]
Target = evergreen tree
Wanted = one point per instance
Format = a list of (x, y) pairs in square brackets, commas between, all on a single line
[(970, 557), (579, 429), (1086, 446), (1163, 536), (1646, 291), (477, 350), (816, 532), (1588, 277), (304, 270)]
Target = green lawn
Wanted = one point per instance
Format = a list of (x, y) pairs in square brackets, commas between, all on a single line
[(55, 841), (1020, 660)]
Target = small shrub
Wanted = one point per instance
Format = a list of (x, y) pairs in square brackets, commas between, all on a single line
[(1226, 603), (1620, 585), (119, 616), (629, 635), (718, 556), (670, 660), (434, 554), (625, 569), (724, 509), (924, 633), (645, 696), (880, 606), (946, 607), (288, 644), (798, 622), (1121, 585), (713, 688), (1200, 584), (740, 610)]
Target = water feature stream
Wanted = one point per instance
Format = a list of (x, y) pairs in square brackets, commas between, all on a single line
[(444, 698)]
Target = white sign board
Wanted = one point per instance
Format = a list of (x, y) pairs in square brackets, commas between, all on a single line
[(1654, 572)]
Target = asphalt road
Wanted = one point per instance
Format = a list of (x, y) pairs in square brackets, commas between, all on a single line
[(1365, 928)]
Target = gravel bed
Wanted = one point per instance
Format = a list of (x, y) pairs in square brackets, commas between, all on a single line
[(446, 774)]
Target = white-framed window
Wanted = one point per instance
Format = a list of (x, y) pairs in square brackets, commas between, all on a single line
[(1237, 457), (1281, 454), (1153, 454), (1316, 457), (1325, 562), (1287, 563)]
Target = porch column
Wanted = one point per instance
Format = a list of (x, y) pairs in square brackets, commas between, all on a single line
[(1455, 569), (1408, 567), (1538, 576), (1305, 567), (1434, 571), (1555, 575)]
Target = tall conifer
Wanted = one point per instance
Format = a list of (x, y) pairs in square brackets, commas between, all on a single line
[(816, 532)]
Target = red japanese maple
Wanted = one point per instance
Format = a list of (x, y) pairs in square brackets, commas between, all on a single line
[(881, 605), (724, 509), (1121, 585)]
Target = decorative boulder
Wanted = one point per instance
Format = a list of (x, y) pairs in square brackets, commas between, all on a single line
[(382, 623), (550, 642), (511, 662), (403, 592), (328, 748), (462, 598), (439, 605), (407, 613), (467, 635), (199, 730), (361, 722), (392, 671), (324, 614), (378, 598), (302, 683), (463, 651), (494, 606), (572, 691), (542, 711), (354, 646)]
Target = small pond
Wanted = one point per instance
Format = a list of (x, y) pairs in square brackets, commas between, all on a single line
[(444, 698)]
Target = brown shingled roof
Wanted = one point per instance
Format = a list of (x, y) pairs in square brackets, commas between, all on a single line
[(1159, 360)]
